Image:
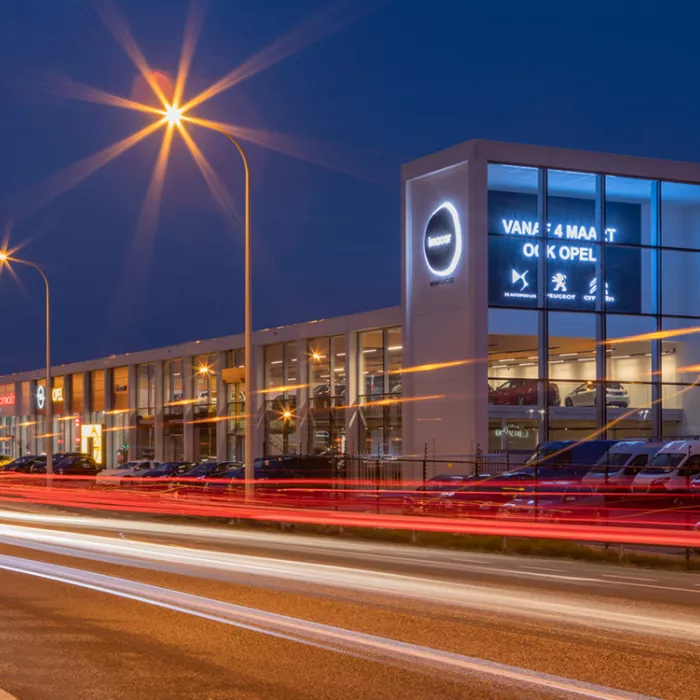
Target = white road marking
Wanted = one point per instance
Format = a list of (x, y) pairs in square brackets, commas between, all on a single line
[(328, 637), (310, 577), (630, 578)]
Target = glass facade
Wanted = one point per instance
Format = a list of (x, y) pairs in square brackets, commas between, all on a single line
[(204, 378), (235, 406), (379, 362), (280, 391), (585, 271), (173, 410), (327, 390), (145, 412)]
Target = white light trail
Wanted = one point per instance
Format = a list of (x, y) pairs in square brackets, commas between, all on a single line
[(276, 572), (316, 634)]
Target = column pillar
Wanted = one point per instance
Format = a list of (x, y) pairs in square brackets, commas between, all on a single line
[(109, 437)]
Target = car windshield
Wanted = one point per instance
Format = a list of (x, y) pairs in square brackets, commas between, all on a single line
[(542, 454), (163, 468), (129, 465), (615, 386), (617, 459), (664, 459), (201, 470)]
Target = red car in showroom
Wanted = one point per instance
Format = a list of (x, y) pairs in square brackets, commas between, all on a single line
[(522, 392)]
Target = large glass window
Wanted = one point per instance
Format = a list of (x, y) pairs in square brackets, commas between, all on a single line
[(236, 405), (77, 395), (173, 410), (120, 388), (599, 237), (97, 390), (145, 404), (515, 239), (680, 215), (327, 381), (281, 376), (380, 355)]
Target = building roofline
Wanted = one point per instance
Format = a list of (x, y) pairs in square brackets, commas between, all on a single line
[(555, 158), (364, 320)]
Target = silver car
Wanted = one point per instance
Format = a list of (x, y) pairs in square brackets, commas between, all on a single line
[(585, 395)]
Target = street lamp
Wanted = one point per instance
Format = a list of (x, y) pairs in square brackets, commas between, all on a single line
[(248, 352), (6, 259)]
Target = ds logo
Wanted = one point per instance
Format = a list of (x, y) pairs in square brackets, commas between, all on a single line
[(442, 242)]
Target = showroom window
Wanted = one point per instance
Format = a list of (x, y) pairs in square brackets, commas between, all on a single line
[(281, 376), (327, 391), (595, 259), (380, 360), (236, 404)]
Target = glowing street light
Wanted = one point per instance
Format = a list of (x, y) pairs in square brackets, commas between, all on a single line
[(6, 259), (173, 114)]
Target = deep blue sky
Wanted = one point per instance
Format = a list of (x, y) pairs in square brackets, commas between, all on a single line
[(406, 79)]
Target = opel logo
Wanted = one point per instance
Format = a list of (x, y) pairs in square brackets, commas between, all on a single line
[(40, 397), (443, 241)]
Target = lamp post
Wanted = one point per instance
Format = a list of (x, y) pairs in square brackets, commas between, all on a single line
[(248, 352), (5, 258), (173, 114)]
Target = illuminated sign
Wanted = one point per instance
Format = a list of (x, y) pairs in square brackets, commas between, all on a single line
[(56, 396), (91, 441), (40, 397), (7, 400), (442, 242), (570, 251)]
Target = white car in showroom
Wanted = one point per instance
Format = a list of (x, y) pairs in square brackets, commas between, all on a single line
[(585, 394)]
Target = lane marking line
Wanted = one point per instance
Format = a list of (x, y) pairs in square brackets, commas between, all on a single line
[(314, 634)]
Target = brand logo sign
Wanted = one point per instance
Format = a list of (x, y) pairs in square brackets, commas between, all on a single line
[(7, 400), (442, 242), (40, 397)]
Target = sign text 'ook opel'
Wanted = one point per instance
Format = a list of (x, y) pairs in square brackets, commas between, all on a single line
[(442, 243), (570, 248)]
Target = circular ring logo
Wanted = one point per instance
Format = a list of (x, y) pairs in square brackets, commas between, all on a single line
[(40, 397), (442, 242)]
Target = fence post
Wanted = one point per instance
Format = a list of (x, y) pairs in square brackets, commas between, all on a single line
[(425, 464), (477, 461)]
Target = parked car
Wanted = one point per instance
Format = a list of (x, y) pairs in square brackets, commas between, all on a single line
[(556, 501), (24, 464), (618, 467), (482, 497), (415, 501), (167, 470), (522, 392), (125, 471), (585, 395), (212, 469), (566, 459), (71, 465), (672, 470)]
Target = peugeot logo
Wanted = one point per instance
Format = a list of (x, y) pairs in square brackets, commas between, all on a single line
[(443, 241)]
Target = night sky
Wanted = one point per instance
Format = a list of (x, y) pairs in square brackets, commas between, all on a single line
[(404, 79)]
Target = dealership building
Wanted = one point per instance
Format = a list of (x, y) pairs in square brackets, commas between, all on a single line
[(546, 294)]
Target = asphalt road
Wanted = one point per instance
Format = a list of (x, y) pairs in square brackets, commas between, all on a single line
[(354, 608)]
